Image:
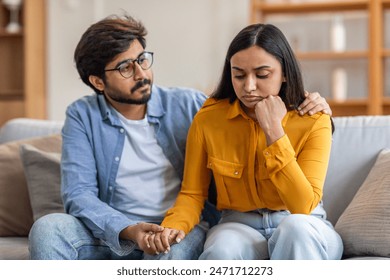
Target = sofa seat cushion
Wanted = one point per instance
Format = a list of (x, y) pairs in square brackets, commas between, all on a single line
[(14, 248), (364, 226)]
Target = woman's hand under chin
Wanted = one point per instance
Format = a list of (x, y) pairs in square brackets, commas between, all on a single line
[(269, 113)]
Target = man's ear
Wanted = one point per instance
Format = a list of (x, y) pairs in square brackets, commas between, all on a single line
[(96, 82)]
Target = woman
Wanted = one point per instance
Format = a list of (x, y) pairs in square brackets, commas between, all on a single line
[(269, 162)]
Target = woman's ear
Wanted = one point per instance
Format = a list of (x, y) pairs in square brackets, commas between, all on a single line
[(96, 82)]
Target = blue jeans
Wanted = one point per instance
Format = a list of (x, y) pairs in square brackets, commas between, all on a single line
[(275, 235), (64, 237)]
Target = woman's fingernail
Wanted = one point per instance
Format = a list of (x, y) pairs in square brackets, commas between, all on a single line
[(178, 240)]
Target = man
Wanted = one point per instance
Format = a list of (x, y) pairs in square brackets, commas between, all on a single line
[(123, 153)]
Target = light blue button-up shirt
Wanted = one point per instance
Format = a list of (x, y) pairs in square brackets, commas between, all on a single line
[(93, 140)]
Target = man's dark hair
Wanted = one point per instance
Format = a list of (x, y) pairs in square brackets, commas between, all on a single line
[(104, 40)]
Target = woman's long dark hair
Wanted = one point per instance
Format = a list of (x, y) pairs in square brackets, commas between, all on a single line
[(272, 40)]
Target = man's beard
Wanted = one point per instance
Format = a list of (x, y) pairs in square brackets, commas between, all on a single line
[(146, 94)]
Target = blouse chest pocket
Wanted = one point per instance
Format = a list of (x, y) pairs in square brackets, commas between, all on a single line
[(228, 180), (225, 168)]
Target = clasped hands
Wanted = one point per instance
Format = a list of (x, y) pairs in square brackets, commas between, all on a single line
[(151, 238)]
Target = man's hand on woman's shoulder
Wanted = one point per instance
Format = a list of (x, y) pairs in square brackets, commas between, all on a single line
[(313, 104)]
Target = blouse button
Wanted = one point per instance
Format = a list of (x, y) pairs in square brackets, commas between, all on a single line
[(122, 130), (116, 158), (236, 172)]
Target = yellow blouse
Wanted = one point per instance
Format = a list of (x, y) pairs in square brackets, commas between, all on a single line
[(287, 175)]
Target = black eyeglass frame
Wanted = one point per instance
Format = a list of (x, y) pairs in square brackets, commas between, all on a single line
[(118, 68)]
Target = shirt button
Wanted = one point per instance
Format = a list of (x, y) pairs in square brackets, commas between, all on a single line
[(110, 188), (210, 164), (266, 153), (236, 172), (116, 158), (122, 130)]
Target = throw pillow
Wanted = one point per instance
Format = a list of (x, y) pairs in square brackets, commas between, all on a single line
[(364, 225), (43, 175), (15, 209)]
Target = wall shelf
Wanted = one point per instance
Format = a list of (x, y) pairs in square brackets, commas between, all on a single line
[(332, 55), (22, 67), (304, 7), (365, 64)]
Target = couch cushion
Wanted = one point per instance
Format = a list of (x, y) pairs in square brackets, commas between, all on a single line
[(14, 248), (43, 175), (15, 209), (356, 143), (364, 226)]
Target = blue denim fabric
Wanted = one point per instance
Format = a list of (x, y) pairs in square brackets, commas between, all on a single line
[(93, 140), (276, 235), (67, 238)]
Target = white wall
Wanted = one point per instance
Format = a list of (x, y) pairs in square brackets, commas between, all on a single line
[(189, 39)]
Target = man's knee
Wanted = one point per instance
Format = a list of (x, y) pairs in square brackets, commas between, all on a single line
[(47, 225), (46, 235)]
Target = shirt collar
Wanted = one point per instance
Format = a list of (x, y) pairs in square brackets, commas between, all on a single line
[(235, 110), (155, 107), (106, 111)]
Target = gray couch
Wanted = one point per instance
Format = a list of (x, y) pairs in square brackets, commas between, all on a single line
[(356, 144)]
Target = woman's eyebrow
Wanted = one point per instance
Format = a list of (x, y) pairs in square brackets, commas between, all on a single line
[(257, 68), (262, 67)]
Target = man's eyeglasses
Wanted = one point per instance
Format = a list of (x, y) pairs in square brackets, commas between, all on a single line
[(127, 67)]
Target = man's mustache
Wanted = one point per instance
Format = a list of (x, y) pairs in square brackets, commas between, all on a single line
[(140, 84)]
